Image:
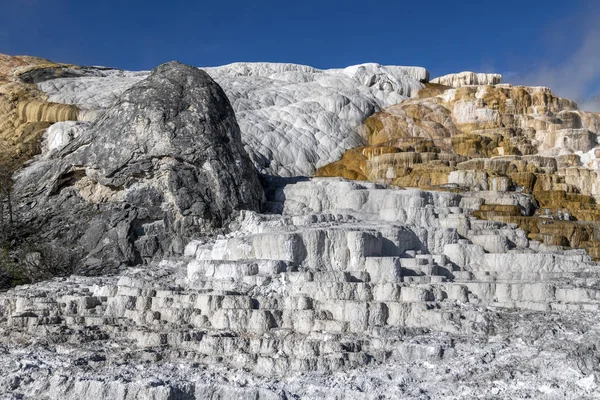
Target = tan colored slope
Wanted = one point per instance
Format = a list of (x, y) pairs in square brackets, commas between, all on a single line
[(501, 138), (24, 112)]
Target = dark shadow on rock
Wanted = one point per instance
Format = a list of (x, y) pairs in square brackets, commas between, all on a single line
[(274, 191)]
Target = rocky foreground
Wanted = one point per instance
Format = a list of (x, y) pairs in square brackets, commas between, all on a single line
[(199, 278), (376, 293)]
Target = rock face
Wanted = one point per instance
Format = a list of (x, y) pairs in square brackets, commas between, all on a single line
[(467, 79), (163, 163), (352, 286), (293, 118), (500, 138)]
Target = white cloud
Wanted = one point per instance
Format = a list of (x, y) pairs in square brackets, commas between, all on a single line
[(577, 75)]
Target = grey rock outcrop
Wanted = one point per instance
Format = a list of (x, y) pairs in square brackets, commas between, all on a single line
[(163, 164)]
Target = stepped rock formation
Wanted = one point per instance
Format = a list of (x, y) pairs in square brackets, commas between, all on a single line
[(500, 138), (452, 275), (163, 163), (354, 291)]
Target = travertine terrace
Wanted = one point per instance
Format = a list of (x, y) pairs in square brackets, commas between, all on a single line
[(445, 249)]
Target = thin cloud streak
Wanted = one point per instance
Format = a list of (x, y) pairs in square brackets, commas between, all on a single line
[(577, 77)]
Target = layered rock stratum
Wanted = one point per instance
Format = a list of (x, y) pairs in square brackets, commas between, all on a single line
[(25, 112), (354, 291), (445, 250)]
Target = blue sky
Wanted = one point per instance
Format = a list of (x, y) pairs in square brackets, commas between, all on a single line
[(530, 41)]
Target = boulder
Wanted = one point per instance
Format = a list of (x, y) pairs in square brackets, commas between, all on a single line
[(163, 164)]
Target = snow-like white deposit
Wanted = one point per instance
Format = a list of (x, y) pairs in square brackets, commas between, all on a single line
[(293, 118), (91, 92), (468, 78), (61, 133)]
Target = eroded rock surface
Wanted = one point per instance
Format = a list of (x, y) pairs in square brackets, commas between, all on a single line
[(354, 291), (165, 162)]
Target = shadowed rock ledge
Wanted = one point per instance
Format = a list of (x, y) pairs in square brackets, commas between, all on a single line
[(164, 163)]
